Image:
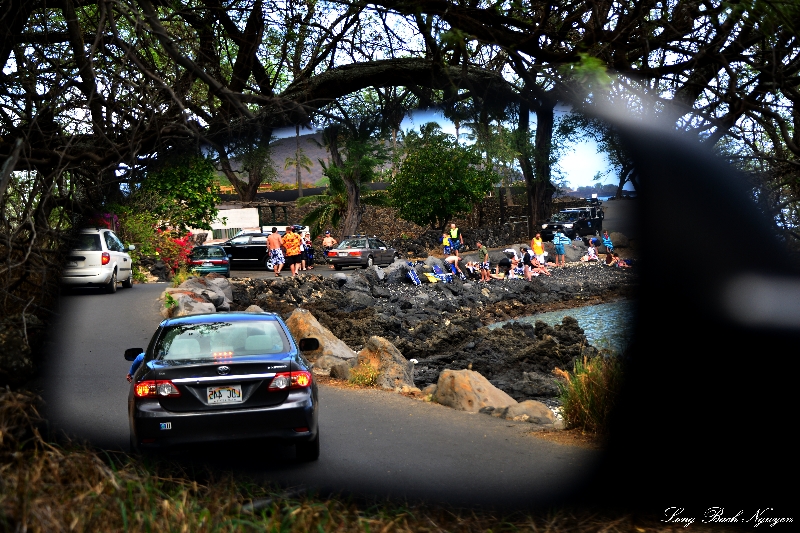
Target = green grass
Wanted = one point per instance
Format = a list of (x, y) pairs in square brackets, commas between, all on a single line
[(364, 375), (589, 393)]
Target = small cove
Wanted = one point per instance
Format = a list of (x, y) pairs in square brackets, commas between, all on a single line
[(607, 325)]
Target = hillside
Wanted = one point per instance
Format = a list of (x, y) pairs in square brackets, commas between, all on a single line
[(283, 148)]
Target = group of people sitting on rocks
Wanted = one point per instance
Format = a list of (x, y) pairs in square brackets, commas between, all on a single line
[(530, 263)]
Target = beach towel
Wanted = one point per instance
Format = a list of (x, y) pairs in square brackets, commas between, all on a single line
[(437, 271), (412, 274), (432, 278)]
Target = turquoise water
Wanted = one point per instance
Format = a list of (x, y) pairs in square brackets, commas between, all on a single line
[(605, 325)]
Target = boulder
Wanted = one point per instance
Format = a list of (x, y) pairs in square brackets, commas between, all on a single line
[(467, 390), (325, 363), (619, 240), (302, 324), (357, 300), (254, 309), (187, 303), (530, 411), (209, 289), (394, 370), (340, 371), (574, 251), (396, 272), (222, 283)]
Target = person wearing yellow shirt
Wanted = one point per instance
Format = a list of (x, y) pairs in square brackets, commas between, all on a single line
[(538, 247)]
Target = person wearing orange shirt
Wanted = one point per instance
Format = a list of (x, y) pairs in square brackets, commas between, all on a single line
[(291, 241)]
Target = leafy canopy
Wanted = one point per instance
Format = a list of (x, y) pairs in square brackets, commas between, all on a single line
[(438, 179), (188, 186)]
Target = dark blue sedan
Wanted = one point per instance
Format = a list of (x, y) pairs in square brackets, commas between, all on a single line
[(214, 378)]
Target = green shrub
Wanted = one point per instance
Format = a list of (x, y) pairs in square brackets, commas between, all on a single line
[(589, 393), (180, 276), (364, 375)]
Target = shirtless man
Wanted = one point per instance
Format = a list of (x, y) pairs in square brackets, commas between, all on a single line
[(274, 243), (327, 244)]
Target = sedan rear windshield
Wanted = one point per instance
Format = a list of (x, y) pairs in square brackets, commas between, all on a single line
[(88, 242), (208, 253), (353, 243), (221, 340)]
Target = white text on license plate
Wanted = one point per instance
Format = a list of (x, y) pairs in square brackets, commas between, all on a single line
[(208, 264), (342, 254), (225, 394)]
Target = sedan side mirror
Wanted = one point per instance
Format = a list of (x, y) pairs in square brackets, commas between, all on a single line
[(131, 248), (308, 344), (131, 353)]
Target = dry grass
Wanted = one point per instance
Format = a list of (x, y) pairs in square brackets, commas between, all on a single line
[(45, 487)]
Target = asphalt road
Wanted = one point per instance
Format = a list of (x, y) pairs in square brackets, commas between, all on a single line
[(374, 443)]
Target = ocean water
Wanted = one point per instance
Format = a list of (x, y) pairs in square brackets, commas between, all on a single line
[(608, 325)]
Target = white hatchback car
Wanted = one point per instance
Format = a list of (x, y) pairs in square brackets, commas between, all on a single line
[(98, 259)]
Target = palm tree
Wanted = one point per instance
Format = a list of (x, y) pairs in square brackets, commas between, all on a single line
[(300, 160), (331, 207)]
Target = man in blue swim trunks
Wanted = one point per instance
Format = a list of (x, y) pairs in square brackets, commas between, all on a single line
[(274, 243), (456, 239), (559, 241)]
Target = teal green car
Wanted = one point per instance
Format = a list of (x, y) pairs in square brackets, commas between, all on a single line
[(207, 259)]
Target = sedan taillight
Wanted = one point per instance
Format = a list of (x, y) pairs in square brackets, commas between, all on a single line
[(291, 380), (355, 252), (156, 388), (105, 258)]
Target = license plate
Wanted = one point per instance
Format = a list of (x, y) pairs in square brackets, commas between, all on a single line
[(225, 394), (342, 254), (72, 263), (208, 264)]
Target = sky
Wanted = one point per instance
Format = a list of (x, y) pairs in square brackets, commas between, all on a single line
[(579, 165)]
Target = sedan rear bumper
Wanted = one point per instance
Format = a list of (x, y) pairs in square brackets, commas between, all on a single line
[(293, 420)]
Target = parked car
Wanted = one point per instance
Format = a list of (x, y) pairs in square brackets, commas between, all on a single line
[(219, 378), (98, 259), (248, 250), (361, 251), (209, 258), (577, 221)]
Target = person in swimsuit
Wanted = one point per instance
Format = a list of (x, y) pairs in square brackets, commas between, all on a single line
[(274, 243)]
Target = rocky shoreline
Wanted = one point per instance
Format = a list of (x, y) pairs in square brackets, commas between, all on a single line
[(441, 325)]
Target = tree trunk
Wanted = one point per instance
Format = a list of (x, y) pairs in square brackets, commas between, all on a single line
[(352, 217), (543, 188), (525, 162), (538, 186), (297, 160)]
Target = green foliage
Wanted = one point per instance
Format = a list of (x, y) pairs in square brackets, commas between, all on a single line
[(189, 189), (364, 374), (438, 179), (169, 301), (181, 275), (589, 393), (362, 157)]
